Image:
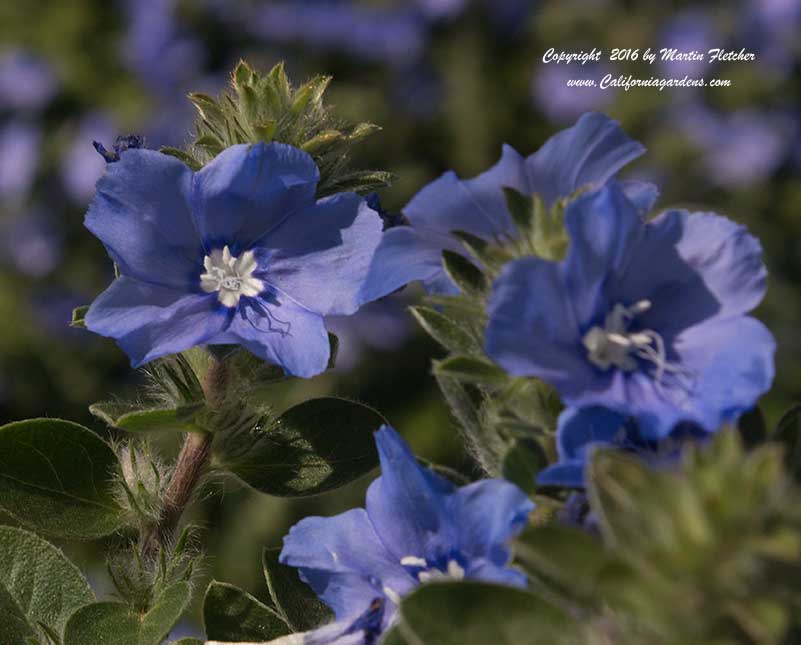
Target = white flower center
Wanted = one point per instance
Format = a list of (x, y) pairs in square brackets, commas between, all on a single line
[(613, 345), (230, 277), (453, 570)]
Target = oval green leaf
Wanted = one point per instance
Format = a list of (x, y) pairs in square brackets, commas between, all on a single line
[(56, 477)]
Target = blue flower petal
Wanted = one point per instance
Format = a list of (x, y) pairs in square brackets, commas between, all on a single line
[(344, 561), (578, 428), (321, 254), (532, 329), (246, 191), (642, 194), (407, 504), (489, 572), (486, 515), (281, 331), (150, 321), (405, 255), (475, 205), (590, 152), (142, 215), (602, 226), (731, 362), (566, 474)]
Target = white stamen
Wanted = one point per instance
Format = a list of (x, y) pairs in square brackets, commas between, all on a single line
[(413, 561), (614, 346), (453, 571), (393, 595), (230, 277)]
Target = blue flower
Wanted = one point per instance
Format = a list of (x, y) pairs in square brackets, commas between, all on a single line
[(237, 253), (417, 527), (645, 318), (588, 153), (580, 431)]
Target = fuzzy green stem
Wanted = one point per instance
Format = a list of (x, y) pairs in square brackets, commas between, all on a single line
[(189, 467)]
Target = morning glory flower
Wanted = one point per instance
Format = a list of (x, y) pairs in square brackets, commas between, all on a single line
[(237, 253), (646, 318), (416, 527), (580, 431), (589, 153)]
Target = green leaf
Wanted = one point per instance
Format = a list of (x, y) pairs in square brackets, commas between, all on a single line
[(477, 613), (333, 342), (56, 477), (40, 579), (128, 416), (788, 433), (467, 276), (188, 159), (231, 614), (79, 316), (445, 331), (14, 627), (312, 448), (471, 369), (752, 427), (116, 623), (292, 597), (187, 641), (521, 208), (521, 464)]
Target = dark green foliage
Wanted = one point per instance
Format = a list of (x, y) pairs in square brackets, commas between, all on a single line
[(57, 477), (39, 588), (312, 448), (293, 598), (230, 614), (788, 432), (265, 108), (114, 623), (476, 613)]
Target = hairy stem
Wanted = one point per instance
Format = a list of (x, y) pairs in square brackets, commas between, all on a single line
[(189, 467)]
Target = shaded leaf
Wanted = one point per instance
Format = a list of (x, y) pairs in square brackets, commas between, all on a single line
[(467, 276), (788, 433), (115, 623), (231, 614), (312, 448), (130, 417), (41, 580), (472, 370), (752, 427), (14, 627), (292, 597), (79, 316), (523, 461), (57, 478), (477, 613), (444, 330)]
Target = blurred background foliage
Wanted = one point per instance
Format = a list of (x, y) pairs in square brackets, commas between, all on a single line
[(449, 81)]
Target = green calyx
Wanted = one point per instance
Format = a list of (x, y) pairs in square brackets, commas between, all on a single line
[(266, 108)]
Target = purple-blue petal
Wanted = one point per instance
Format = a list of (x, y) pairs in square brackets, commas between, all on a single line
[(566, 474), (589, 153), (142, 215), (486, 515), (321, 254), (149, 321), (248, 190), (407, 504), (578, 428), (532, 328), (282, 332)]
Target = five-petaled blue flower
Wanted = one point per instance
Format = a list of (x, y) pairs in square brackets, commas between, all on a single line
[(580, 431), (416, 527), (240, 252), (646, 318), (589, 153)]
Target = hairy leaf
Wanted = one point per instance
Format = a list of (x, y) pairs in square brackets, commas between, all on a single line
[(115, 623), (56, 477), (312, 448), (41, 580), (292, 597), (231, 614), (477, 613)]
